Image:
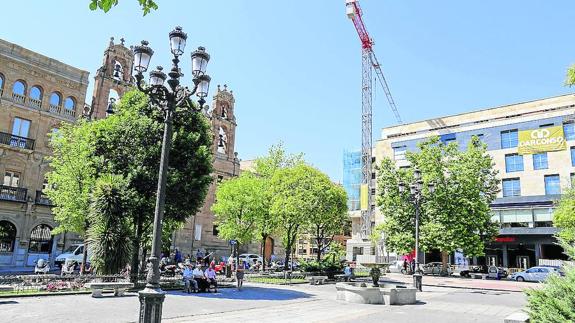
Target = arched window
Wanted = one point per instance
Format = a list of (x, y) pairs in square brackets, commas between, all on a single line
[(36, 93), (70, 103), (55, 99), (1, 83), (36, 97), (7, 236), (19, 91), (222, 141), (224, 111), (41, 239)]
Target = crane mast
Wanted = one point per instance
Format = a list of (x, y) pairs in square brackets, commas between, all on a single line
[(369, 62)]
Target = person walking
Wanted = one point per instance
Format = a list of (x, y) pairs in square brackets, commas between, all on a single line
[(239, 274)]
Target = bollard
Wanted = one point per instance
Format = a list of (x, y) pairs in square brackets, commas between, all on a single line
[(417, 281)]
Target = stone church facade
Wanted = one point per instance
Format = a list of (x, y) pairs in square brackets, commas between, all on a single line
[(113, 79)]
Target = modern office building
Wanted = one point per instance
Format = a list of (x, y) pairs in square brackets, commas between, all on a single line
[(533, 148), (37, 95)]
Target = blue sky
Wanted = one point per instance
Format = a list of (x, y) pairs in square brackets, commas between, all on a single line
[(295, 66)]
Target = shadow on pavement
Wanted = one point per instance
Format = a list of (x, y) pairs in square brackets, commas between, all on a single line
[(8, 302), (248, 293)]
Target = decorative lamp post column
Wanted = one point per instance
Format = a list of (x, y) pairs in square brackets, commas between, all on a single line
[(167, 99), (415, 194)]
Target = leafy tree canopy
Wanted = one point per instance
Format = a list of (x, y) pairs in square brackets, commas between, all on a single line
[(240, 202), (106, 5), (456, 215)]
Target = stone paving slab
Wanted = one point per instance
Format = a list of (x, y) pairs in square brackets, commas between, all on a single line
[(265, 303)]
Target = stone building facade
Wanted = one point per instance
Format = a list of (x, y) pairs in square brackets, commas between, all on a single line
[(37, 95), (200, 231)]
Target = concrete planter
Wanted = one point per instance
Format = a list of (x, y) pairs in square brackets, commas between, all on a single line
[(387, 294)]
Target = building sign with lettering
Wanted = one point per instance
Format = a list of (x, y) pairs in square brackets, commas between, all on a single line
[(363, 197), (541, 140)]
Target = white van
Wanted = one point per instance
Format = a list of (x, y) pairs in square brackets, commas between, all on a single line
[(75, 252)]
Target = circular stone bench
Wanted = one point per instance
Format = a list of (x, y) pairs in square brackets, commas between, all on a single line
[(119, 288), (388, 294)]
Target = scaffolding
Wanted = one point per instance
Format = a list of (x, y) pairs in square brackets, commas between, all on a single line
[(352, 178)]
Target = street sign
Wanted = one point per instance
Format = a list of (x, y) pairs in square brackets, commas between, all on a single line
[(233, 242)]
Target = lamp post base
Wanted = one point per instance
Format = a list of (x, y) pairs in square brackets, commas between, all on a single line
[(151, 301)]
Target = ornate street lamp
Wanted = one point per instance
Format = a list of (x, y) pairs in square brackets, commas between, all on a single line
[(167, 99), (415, 194)]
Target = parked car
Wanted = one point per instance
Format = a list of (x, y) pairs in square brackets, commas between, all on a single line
[(75, 252), (434, 268), (250, 258), (535, 274)]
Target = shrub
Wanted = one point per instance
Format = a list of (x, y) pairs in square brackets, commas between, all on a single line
[(555, 302)]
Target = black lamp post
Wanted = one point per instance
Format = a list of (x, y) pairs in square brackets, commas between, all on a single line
[(415, 194), (167, 99)]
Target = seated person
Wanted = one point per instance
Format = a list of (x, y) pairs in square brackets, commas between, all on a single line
[(210, 275), (200, 278), (190, 283)]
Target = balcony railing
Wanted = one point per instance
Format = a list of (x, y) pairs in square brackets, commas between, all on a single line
[(18, 98), (36, 104), (16, 141), (10, 193), (42, 198), (56, 109), (69, 112)]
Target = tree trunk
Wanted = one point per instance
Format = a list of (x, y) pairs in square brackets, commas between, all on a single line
[(144, 259), (136, 253), (85, 253), (264, 238), (444, 259), (288, 253), (84, 256), (319, 241)]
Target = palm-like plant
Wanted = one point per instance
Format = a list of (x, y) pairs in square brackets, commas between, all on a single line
[(109, 236)]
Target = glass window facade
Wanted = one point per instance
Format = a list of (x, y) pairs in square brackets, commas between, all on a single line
[(509, 138), (513, 163), (540, 161), (572, 156), (399, 153), (552, 185), (569, 131), (511, 187)]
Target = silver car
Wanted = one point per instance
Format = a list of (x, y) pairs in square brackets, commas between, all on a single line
[(535, 274)]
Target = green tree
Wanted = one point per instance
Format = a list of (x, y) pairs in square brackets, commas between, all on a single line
[(128, 143), (456, 215), (73, 175), (239, 204), (564, 217), (296, 196), (106, 5), (265, 167), (330, 213), (570, 78), (555, 301), (110, 234)]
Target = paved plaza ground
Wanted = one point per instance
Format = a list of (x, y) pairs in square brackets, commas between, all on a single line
[(268, 303)]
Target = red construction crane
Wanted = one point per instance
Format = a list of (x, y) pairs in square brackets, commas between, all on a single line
[(368, 62)]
